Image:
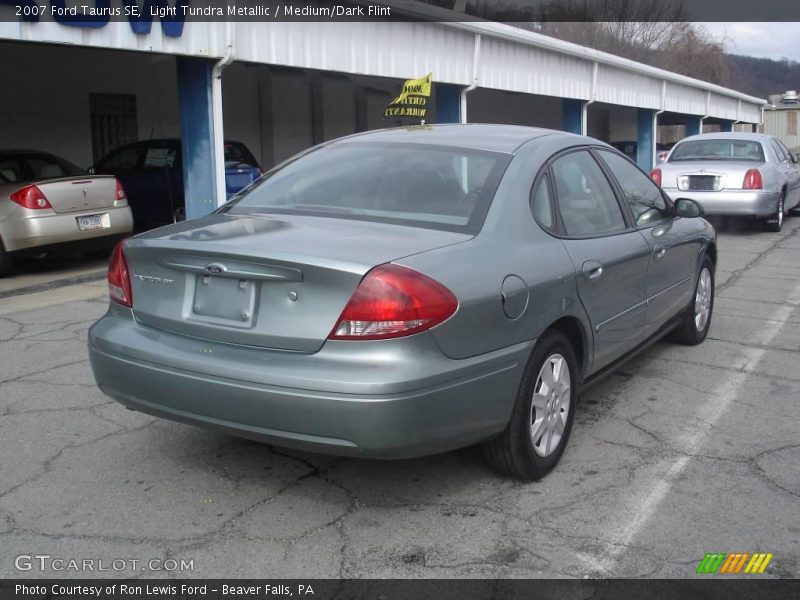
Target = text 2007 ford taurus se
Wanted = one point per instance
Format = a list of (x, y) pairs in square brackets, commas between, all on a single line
[(409, 291)]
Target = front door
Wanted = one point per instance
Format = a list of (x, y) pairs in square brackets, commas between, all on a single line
[(673, 243), (610, 258)]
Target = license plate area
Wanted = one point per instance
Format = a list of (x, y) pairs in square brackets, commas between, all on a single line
[(89, 222), (704, 183), (224, 298)]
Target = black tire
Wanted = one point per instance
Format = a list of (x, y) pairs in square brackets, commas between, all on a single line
[(774, 223), (688, 333), (513, 453), (6, 264)]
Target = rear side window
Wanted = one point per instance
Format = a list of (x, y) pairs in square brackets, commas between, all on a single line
[(585, 199), (421, 185), (46, 166), (11, 170), (641, 194), (541, 205)]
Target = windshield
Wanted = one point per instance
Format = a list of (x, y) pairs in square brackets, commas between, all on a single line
[(718, 150), (408, 184)]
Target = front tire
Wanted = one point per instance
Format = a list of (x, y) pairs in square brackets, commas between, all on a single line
[(697, 318), (535, 437), (774, 223)]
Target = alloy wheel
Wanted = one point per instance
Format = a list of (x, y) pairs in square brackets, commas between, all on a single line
[(551, 405), (702, 300)]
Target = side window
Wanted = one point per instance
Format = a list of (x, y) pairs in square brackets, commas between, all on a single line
[(785, 149), (541, 206), (124, 160), (779, 154), (642, 195), (11, 170), (585, 199)]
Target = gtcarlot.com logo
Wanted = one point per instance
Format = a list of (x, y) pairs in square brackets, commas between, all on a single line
[(46, 562), (735, 562)]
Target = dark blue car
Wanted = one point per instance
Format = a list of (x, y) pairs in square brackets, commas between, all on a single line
[(152, 174)]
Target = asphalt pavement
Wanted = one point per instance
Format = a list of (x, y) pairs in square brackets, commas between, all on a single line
[(684, 451)]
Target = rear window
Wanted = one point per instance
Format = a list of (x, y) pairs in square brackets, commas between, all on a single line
[(238, 154), (747, 150), (409, 184)]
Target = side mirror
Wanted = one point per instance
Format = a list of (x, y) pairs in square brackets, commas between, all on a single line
[(688, 208)]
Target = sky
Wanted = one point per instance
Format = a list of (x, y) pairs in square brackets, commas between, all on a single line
[(763, 40)]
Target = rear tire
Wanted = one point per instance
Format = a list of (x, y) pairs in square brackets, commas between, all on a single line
[(535, 437), (697, 318), (6, 264), (774, 223)]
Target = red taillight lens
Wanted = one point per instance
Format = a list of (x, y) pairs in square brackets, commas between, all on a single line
[(119, 280), (753, 180), (119, 193), (655, 175), (30, 197), (394, 301)]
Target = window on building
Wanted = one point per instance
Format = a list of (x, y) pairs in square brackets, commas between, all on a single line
[(113, 122)]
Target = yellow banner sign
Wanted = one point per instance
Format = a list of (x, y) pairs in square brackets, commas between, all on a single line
[(413, 100)]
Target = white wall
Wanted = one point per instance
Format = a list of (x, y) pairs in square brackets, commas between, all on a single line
[(45, 100)]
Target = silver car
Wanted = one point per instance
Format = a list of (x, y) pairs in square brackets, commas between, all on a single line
[(47, 203), (734, 174), (406, 292)]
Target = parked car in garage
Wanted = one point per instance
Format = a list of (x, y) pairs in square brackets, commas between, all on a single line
[(47, 204), (735, 173), (629, 149), (152, 173), (406, 292)]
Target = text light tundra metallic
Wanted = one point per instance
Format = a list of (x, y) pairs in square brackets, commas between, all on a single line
[(406, 292)]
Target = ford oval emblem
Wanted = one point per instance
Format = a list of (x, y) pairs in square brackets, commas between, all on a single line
[(215, 268)]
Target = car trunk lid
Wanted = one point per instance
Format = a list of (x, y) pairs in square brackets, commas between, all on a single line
[(277, 282), (72, 194), (708, 176)]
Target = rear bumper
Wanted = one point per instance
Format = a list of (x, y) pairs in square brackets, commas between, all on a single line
[(26, 231), (391, 399), (760, 203)]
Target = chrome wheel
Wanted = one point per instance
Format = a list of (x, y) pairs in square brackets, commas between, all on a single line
[(702, 300), (550, 406)]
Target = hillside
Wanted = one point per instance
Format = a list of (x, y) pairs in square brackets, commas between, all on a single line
[(762, 76)]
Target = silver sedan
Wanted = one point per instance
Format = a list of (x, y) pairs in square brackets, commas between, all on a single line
[(47, 203), (751, 174)]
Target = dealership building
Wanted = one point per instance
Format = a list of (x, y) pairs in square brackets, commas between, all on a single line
[(79, 89)]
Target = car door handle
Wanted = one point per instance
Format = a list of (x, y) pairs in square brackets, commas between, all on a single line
[(592, 269), (659, 250)]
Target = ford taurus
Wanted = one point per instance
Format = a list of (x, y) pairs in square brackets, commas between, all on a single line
[(406, 292)]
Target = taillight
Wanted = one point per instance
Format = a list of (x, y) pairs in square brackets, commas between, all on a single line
[(655, 175), (119, 280), (394, 301), (30, 197), (752, 180), (119, 193)]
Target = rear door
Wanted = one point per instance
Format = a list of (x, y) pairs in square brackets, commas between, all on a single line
[(609, 256), (674, 247)]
